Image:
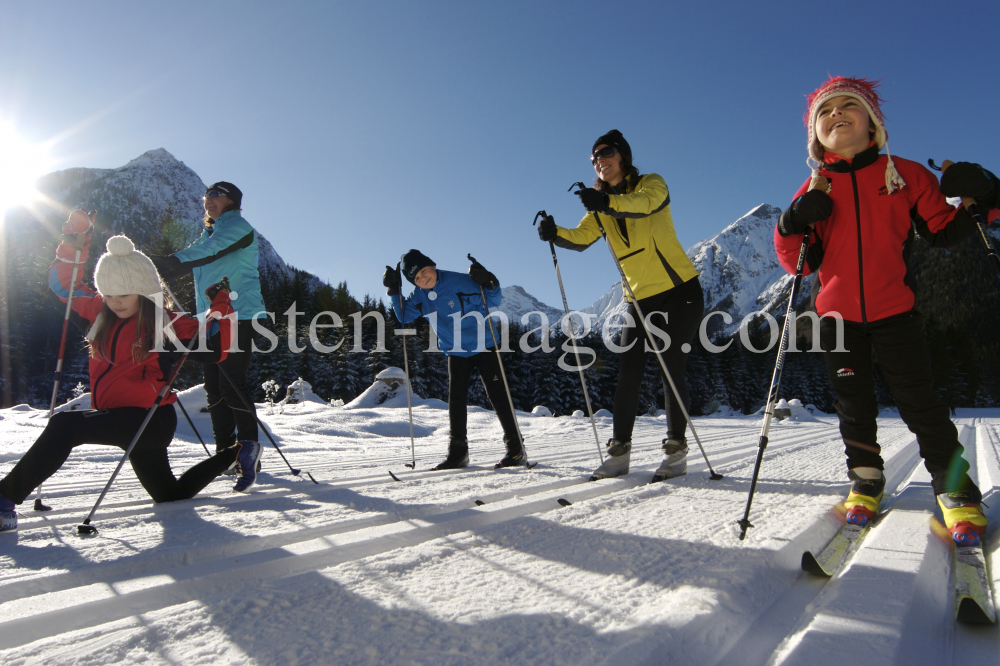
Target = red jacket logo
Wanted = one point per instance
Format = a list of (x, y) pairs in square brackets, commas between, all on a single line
[(845, 372), (883, 191)]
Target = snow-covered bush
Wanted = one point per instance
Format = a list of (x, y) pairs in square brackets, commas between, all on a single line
[(541, 410), (271, 388)]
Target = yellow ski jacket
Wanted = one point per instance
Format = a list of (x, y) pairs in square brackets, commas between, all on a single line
[(642, 234)]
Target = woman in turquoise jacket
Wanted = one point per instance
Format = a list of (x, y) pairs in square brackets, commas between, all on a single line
[(445, 298), (227, 247)]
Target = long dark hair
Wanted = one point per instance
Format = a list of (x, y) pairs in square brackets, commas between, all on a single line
[(630, 178), (99, 337)]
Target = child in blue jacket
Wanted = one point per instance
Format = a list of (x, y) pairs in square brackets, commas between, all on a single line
[(444, 298)]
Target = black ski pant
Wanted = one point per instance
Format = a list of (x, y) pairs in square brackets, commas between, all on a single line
[(115, 427), (230, 418), (678, 313), (897, 344), (459, 372)]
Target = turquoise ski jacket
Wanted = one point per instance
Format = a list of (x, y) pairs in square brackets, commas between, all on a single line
[(226, 249)]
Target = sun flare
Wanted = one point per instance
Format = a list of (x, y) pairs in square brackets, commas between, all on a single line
[(21, 164)]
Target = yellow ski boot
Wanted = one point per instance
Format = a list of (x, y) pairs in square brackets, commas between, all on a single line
[(963, 515), (866, 493)]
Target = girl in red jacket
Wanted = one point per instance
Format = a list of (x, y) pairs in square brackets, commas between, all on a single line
[(864, 209), (126, 375)]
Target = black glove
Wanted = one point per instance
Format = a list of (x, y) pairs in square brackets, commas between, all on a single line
[(482, 277), (391, 281), (965, 179), (812, 207), (593, 200), (214, 290), (547, 228), (166, 266)]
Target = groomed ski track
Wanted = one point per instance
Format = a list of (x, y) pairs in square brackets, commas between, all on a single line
[(363, 569)]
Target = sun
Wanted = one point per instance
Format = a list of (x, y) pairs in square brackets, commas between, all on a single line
[(21, 164)]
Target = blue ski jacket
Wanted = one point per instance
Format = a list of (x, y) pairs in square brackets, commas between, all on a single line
[(454, 295), (226, 249)]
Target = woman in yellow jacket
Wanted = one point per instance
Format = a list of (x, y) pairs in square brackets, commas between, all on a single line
[(635, 212)]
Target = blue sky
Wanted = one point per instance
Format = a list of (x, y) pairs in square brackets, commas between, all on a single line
[(358, 130)]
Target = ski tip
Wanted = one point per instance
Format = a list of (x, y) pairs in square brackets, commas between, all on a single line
[(41, 507), (480, 502), (530, 465), (564, 502), (970, 612), (394, 477), (312, 479), (811, 565)]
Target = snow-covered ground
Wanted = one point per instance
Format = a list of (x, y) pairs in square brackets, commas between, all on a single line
[(361, 569)]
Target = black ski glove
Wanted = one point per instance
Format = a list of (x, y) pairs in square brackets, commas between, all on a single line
[(812, 207), (167, 267), (965, 179), (547, 228), (482, 277), (593, 200), (391, 281)]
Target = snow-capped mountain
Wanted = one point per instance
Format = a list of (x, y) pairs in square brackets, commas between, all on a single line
[(132, 198), (739, 271), (517, 302)]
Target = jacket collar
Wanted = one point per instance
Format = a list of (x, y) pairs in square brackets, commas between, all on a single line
[(866, 157)]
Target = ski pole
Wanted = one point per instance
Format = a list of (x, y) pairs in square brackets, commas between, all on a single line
[(981, 224), (576, 352), (406, 368), (191, 423), (81, 239), (503, 375), (86, 527), (295, 472), (652, 343), (246, 403), (772, 394)]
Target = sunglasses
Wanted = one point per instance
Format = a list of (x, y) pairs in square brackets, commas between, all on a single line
[(605, 152), (211, 194)]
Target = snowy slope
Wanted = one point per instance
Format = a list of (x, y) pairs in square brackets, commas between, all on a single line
[(361, 569)]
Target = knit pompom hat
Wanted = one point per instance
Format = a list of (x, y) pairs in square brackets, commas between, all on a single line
[(123, 270), (866, 92)]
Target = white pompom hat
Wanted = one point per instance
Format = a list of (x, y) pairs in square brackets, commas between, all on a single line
[(123, 270)]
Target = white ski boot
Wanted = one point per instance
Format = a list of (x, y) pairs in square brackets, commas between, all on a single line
[(616, 464), (674, 462)]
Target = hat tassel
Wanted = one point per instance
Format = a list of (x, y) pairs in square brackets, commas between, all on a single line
[(893, 181)]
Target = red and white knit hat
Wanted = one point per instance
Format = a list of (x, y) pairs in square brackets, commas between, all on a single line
[(864, 91)]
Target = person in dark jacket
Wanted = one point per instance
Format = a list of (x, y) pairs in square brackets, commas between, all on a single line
[(863, 209), (227, 248), (451, 301), (126, 376), (635, 211)]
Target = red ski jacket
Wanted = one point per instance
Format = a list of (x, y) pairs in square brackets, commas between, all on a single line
[(861, 250), (118, 381)]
